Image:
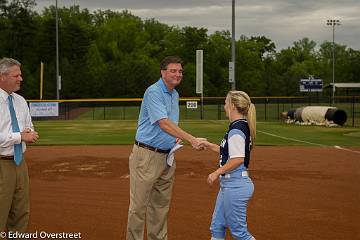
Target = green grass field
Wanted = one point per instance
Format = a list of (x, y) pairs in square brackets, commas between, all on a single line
[(113, 132)]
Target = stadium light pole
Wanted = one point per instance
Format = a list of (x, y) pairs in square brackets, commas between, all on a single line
[(233, 85), (333, 23), (57, 50)]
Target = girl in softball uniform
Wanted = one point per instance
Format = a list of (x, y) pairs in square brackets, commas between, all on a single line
[(236, 187)]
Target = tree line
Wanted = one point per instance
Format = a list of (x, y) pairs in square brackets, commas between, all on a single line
[(108, 54)]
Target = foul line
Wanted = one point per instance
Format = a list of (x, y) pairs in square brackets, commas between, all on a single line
[(316, 144), (292, 139), (346, 149)]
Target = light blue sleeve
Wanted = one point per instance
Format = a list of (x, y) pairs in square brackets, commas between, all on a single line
[(155, 105)]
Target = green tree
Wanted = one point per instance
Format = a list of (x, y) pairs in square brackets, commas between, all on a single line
[(297, 62), (354, 68), (216, 64), (17, 39), (249, 67), (345, 61), (155, 33), (117, 54)]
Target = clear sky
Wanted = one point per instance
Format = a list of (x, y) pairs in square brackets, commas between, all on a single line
[(282, 21)]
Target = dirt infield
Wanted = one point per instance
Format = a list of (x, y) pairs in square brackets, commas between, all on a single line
[(300, 192)]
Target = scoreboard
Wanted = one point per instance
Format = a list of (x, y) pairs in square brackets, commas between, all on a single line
[(311, 85)]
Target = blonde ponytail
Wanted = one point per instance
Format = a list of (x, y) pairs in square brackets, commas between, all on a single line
[(243, 104), (251, 117)]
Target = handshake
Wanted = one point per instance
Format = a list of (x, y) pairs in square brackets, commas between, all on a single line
[(203, 144), (200, 143)]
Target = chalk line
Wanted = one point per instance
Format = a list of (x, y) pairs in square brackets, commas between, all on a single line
[(292, 139), (307, 142), (346, 149)]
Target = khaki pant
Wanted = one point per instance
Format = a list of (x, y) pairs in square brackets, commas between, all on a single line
[(151, 182), (14, 196)]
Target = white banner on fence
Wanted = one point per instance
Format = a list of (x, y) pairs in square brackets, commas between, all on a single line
[(44, 109)]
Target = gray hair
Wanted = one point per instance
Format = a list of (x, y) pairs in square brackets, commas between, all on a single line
[(6, 63)]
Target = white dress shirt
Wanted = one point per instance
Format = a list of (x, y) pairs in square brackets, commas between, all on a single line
[(7, 137)]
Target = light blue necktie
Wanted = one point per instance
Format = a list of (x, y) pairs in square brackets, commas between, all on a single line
[(18, 154)]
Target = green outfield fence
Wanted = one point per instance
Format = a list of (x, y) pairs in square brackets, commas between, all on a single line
[(268, 108)]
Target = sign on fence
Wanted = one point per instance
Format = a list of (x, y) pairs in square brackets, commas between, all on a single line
[(191, 104), (44, 109)]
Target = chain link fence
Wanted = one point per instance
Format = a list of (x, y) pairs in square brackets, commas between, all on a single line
[(267, 108)]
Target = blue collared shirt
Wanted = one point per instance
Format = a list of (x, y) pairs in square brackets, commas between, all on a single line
[(158, 103)]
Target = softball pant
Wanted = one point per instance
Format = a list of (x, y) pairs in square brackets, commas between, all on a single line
[(230, 210)]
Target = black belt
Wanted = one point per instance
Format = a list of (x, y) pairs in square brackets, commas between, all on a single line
[(7, 157), (143, 145)]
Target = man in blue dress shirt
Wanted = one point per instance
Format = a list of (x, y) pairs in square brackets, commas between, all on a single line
[(151, 179)]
